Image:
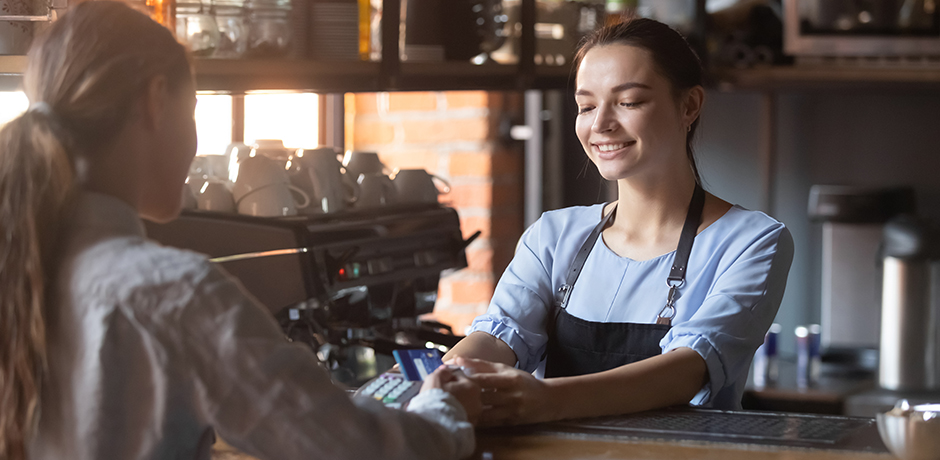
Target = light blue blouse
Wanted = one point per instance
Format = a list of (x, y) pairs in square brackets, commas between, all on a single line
[(736, 276)]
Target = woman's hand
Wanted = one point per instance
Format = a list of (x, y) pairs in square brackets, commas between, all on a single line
[(465, 390), (510, 396)]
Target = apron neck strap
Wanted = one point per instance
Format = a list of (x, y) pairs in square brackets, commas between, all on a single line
[(693, 219)]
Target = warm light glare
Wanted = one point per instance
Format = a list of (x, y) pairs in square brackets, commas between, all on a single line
[(12, 103), (291, 117), (213, 123)]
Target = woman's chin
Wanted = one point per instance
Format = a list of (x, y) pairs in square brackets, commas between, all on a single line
[(163, 213)]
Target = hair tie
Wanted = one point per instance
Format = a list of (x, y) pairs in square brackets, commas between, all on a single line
[(43, 108), (55, 122)]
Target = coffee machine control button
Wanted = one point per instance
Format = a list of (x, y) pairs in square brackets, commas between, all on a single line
[(425, 258), (379, 266)]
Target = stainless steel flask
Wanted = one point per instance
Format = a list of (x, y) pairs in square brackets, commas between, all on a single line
[(910, 310)]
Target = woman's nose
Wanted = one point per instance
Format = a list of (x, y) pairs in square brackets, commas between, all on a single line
[(604, 120)]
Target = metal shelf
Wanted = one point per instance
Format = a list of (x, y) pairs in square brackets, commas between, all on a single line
[(827, 77), (238, 75)]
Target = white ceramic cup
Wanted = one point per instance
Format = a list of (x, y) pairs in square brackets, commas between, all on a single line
[(189, 198), (273, 149), (358, 163), (215, 196), (257, 172), (417, 186), (272, 201), (375, 190), (318, 173)]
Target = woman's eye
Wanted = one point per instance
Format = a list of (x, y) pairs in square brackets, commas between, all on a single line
[(584, 109), (629, 104)]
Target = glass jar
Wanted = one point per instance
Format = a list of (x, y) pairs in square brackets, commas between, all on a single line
[(196, 28), (269, 28), (232, 21)]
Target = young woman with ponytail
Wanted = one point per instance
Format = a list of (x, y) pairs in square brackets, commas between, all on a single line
[(114, 347)]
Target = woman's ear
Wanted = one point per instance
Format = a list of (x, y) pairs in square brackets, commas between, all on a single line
[(692, 103), (155, 102)]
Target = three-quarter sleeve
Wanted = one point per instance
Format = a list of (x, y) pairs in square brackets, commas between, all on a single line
[(736, 312), (522, 300), (270, 398)]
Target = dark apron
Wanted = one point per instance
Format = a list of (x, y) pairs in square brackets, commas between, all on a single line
[(578, 347)]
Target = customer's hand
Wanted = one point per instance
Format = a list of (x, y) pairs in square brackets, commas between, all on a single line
[(456, 383), (510, 396)]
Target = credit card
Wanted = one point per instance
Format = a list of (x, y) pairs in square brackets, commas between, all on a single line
[(415, 365)]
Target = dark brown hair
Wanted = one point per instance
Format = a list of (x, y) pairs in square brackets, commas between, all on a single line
[(674, 58), (83, 79)]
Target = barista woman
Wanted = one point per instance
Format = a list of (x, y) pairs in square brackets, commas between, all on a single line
[(613, 304), (117, 348)]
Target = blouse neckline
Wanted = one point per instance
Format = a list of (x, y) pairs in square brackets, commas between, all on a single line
[(661, 256)]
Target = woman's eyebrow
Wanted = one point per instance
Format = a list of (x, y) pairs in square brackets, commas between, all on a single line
[(615, 89)]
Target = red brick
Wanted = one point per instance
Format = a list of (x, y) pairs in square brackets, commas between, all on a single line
[(366, 103), (417, 159), (372, 133), (465, 99), (470, 225), (464, 291), (480, 260), (470, 195), (471, 129), (412, 101), (471, 164)]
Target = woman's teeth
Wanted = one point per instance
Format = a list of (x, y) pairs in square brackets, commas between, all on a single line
[(610, 147)]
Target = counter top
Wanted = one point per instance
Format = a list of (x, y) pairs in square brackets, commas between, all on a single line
[(547, 447), (681, 433)]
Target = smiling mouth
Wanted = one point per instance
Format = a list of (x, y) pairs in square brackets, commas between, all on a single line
[(604, 148)]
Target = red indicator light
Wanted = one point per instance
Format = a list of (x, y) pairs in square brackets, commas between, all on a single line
[(342, 274)]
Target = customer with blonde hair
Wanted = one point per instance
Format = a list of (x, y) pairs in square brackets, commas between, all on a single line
[(117, 348)]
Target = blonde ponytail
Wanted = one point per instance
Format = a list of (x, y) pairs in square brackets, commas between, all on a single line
[(83, 78), (35, 179)]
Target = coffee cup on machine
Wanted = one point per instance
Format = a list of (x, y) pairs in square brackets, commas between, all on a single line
[(214, 195), (376, 189), (273, 201), (318, 173), (417, 186), (263, 188), (358, 163)]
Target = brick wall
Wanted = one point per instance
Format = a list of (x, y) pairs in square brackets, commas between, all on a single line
[(455, 135)]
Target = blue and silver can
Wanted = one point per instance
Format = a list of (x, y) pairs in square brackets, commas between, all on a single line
[(765, 360)]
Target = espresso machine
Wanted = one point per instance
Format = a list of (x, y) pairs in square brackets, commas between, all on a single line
[(352, 285)]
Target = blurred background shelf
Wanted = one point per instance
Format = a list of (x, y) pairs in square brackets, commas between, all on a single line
[(825, 77), (236, 75), (239, 75)]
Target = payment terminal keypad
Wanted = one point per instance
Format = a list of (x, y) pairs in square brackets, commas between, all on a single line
[(391, 389)]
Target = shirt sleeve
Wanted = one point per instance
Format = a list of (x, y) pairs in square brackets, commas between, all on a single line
[(270, 398), (739, 308), (522, 300)]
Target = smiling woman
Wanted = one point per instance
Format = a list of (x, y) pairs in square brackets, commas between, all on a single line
[(612, 305)]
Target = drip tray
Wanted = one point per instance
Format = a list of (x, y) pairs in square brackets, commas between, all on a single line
[(797, 430)]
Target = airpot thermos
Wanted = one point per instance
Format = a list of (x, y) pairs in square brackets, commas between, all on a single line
[(910, 312)]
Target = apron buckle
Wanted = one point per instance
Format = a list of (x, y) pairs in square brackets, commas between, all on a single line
[(564, 291), (669, 310)]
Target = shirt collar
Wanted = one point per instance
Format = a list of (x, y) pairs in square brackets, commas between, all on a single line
[(105, 213)]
